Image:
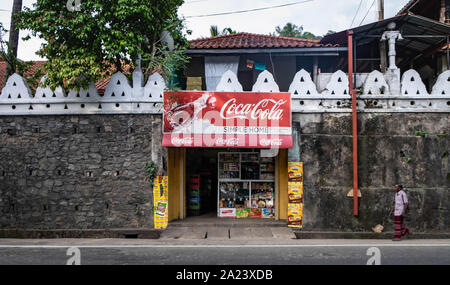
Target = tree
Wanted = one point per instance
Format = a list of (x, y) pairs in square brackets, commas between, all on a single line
[(214, 31), (293, 31), (100, 37), (310, 36), (289, 30), (228, 31), (13, 42), (14, 65)]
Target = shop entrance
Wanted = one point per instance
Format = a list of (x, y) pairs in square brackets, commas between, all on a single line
[(227, 183), (231, 183), (201, 182)]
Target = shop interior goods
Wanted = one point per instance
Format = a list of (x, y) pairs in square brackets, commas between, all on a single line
[(193, 196), (246, 185)]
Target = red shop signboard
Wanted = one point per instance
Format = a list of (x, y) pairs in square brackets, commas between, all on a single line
[(227, 119)]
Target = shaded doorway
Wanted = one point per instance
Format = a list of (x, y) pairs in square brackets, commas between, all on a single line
[(201, 182)]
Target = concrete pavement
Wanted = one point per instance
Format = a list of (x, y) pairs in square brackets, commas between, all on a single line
[(230, 233)]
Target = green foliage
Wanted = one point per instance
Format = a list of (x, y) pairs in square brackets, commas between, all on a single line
[(407, 158), (104, 37), (293, 31), (310, 36), (422, 134), (214, 31), (17, 66), (151, 169), (289, 30), (137, 211)]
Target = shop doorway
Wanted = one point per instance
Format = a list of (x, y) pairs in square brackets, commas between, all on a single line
[(200, 172), (231, 183), (201, 182)]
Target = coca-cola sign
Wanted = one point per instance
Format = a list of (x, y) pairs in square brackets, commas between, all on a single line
[(231, 110), (227, 119)]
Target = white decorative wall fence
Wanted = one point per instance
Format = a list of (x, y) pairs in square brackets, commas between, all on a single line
[(122, 97), (119, 98)]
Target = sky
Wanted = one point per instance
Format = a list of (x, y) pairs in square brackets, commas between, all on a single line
[(316, 16)]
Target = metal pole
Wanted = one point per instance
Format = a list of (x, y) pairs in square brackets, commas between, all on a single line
[(383, 52), (448, 54), (354, 59), (380, 10), (315, 68), (355, 123)]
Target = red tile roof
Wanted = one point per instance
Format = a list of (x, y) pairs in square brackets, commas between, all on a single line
[(33, 69), (246, 40), (234, 41)]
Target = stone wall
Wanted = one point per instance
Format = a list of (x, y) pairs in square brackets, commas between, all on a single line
[(77, 160), (77, 171), (87, 171), (407, 148)]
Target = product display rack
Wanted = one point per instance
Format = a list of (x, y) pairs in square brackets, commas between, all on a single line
[(194, 196), (246, 185)]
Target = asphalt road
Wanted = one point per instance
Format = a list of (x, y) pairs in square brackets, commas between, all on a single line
[(297, 252)]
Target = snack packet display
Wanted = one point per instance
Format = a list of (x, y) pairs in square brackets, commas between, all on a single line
[(255, 213), (161, 201), (295, 192), (267, 213), (295, 215), (242, 213), (161, 209), (295, 171)]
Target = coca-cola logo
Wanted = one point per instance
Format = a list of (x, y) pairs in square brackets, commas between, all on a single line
[(266, 109), (227, 142), (271, 142), (182, 141)]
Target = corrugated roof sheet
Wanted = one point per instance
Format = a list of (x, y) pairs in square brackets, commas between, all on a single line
[(410, 25), (408, 6)]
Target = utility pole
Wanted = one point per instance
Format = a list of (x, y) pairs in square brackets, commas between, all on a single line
[(13, 36), (380, 10), (442, 12), (383, 58)]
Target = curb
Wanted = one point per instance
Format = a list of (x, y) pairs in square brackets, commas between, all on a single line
[(366, 235), (227, 225), (80, 233)]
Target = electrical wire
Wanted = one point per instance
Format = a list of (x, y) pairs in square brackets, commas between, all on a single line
[(250, 10), (367, 12), (357, 11)]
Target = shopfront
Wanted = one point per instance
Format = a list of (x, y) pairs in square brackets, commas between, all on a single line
[(246, 185), (227, 154)]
